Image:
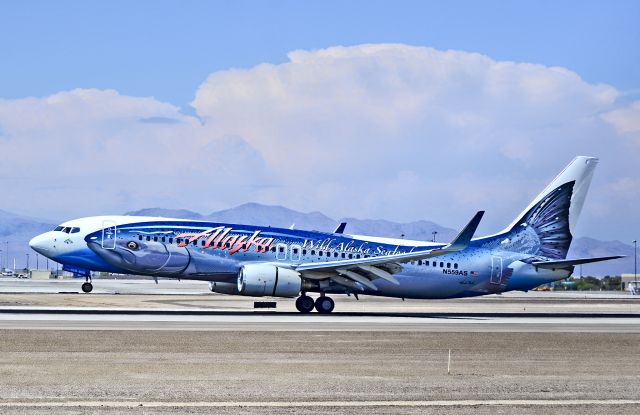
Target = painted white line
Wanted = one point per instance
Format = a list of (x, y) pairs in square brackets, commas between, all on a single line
[(311, 404)]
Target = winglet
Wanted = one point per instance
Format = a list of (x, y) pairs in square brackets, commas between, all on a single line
[(340, 228), (464, 237)]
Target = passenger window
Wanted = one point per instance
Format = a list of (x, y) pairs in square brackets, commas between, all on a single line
[(335, 255), (350, 256), (448, 264), (319, 253), (304, 252), (313, 252), (434, 263), (179, 240), (455, 266), (202, 242), (419, 262), (195, 243), (164, 239), (139, 237), (170, 240), (358, 256), (273, 249), (155, 239), (281, 249), (442, 265), (295, 250), (148, 238)]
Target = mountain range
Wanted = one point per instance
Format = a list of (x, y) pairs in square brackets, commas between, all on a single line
[(19, 229)]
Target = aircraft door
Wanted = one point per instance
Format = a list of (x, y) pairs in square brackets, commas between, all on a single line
[(281, 252), (108, 234), (496, 270)]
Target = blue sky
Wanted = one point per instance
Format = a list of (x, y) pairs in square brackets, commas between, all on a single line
[(165, 49), (406, 110)]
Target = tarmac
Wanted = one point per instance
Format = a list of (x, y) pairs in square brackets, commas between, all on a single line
[(174, 347)]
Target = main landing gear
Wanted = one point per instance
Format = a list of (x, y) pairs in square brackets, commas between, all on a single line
[(323, 305), (87, 287)]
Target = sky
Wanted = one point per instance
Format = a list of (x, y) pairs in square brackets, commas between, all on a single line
[(395, 110)]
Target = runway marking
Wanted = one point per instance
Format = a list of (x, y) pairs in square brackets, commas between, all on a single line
[(276, 322), (312, 404)]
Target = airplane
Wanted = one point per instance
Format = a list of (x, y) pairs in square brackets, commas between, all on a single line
[(261, 261)]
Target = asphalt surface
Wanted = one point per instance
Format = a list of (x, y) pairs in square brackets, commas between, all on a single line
[(174, 348)]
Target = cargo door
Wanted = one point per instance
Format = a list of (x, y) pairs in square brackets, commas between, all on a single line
[(496, 269)]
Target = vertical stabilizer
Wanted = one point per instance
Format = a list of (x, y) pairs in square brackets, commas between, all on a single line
[(549, 220)]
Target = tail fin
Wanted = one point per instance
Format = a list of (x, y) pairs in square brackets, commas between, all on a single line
[(545, 226)]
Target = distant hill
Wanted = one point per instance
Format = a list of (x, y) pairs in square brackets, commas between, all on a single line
[(167, 213), (19, 229), (588, 247)]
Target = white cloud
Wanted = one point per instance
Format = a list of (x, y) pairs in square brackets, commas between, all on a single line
[(391, 131)]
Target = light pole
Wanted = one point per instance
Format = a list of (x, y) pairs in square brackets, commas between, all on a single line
[(434, 233), (27, 262), (635, 262)]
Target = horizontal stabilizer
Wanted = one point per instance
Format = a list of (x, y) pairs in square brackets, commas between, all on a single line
[(565, 263)]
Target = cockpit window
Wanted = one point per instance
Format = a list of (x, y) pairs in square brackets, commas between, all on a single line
[(66, 229), (75, 230), (58, 228)]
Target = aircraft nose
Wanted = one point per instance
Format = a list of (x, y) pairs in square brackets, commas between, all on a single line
[(42, 244)]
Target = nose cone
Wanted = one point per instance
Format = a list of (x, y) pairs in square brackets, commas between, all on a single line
[(42, 244)]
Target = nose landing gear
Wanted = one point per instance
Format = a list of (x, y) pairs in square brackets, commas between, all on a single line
[(87, 287)]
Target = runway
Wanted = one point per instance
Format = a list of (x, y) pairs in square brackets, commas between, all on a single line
[(135, 347), (98, 320)]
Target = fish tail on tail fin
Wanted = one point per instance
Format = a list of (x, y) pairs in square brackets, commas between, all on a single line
[(545, 227)]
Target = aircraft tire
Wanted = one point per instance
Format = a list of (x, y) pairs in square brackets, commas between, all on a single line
[(304, 304), (324, 305), (87, 287)]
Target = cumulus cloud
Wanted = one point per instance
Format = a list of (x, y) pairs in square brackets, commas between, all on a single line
[(391, 131)]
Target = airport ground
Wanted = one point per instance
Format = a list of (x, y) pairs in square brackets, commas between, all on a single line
[(194, 352)]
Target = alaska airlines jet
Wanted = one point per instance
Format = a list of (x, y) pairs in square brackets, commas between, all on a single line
[(263, 261)]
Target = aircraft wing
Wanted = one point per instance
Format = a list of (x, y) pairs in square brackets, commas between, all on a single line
[(362, 270), (565, 263)]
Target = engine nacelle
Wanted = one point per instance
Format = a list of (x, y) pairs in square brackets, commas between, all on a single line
[(224, 287), (265, 279)]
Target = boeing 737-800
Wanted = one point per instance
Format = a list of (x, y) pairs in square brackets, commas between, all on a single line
[(264, 261)]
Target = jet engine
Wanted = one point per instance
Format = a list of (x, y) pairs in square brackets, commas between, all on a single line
[(265, 279), (224, 287)]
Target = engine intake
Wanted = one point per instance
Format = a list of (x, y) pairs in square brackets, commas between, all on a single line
[(260, 280)]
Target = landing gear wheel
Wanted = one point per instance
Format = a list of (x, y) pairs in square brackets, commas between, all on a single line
[(304, 304), (87, 287), (324, 305)]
